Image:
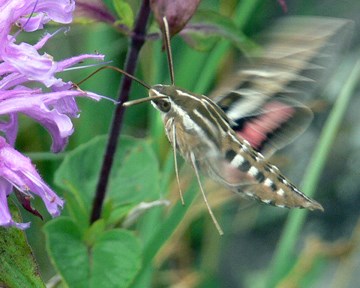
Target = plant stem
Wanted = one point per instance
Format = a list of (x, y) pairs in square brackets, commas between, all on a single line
[(137, 41)]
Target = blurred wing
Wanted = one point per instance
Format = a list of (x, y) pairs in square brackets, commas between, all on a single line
[(259, 100)]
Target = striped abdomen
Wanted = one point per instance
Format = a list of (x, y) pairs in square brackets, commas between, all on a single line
[(268, 184)]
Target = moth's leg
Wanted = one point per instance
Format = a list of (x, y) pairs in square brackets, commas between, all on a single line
[(175, 163), (217, 225)]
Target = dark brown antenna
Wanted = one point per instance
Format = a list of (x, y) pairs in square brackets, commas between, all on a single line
[(166, 35), (118, 70)]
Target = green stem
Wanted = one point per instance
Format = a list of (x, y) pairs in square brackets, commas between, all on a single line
[(137, 41)]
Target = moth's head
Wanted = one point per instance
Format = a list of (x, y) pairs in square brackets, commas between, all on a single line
[(158, 91)]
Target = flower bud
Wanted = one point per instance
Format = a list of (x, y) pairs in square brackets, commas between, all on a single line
[(177, 12)]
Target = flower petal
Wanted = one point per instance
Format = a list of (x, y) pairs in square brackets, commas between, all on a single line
[(5, 216), (57, 10), (62, 65), (10, 128), (27, 61), (40, 107), (20, 172)]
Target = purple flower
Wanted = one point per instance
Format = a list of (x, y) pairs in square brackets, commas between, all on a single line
[(16, 170), (49, 100)]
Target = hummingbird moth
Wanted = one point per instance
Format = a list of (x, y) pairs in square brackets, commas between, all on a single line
[(230, 136)]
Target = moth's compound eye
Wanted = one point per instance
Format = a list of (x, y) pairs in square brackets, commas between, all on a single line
[(164, 105)]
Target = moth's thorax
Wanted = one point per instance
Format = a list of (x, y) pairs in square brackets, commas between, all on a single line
[(199, 125), (178, 96), (183, 105)]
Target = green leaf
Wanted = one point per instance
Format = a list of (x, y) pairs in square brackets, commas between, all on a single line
[(161, 230), (129, 181), (114, 258), (114, 215), (125, 13), (94, 231), (67, 251), (210, 27), (137, 173), (17, 264)]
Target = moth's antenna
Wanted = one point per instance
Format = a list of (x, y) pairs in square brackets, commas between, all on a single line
[(217, 225), (175, 163), (142, 100), (166, 33), (118, 70)]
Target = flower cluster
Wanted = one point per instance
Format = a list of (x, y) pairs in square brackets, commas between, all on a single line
[(48, 100)]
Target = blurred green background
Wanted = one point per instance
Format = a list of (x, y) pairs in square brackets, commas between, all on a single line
[(326, 250)]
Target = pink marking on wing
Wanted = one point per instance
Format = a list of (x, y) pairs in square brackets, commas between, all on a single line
[(275, 115)]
